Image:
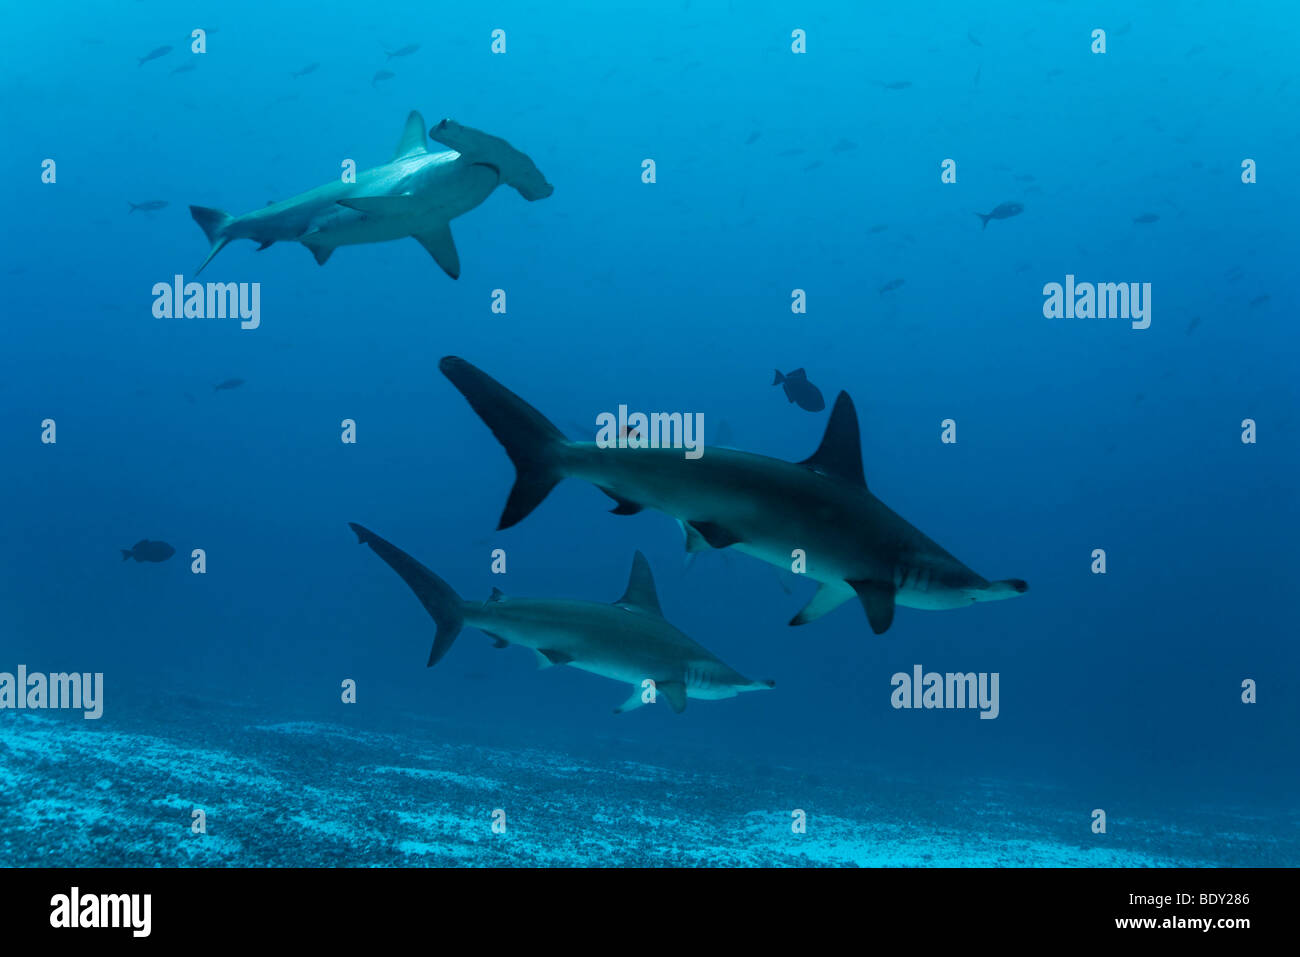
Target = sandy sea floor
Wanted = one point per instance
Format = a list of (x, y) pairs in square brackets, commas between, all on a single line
[(80, 793)]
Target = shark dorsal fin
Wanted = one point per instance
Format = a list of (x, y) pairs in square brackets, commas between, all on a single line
[(840, 454), (497, 595), (412, 137), (640, 594)]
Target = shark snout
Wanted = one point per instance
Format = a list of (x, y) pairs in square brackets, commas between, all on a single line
[(1006, 588)]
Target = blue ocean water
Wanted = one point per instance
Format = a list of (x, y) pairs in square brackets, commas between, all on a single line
[(775, 171)]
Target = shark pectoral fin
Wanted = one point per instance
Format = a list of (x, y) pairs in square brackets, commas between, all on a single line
[(828, 598), (878, 600), (441, 247), (322, 253), (403, 205), (498, 641), (635, 701), (269, 242), (715, 535), (640, 594), (840, 454), (625, 506), (546, 658), (694, 540), (675, 692)]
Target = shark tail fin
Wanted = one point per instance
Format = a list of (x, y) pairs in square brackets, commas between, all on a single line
[(213, 222), (985, 219), (777, 378), (438, 598), (534, 445), (126, 553)]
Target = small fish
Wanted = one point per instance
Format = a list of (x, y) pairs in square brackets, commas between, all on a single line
[(309, 68), (404, 51), (972, 38), (153, 55), (799, 389), (228, 384), (1002, 211), (891, 286), (813, 165), (897, 85), (1259, 301), (183, 68), (1196, 321), (147, 551), (843, 146), (381, 75), (1146, 218), (878, 228), (753, 138), (1025, 178), (148, 206)]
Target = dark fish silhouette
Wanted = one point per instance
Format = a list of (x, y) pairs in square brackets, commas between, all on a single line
[(1259, 301), (878, 228), (1196, 321), (309, 68), (148, 206), (891, 286), (183, 68), (228, 384), (799, 390), (1146, 218), (971, 37), (147, 551), (753, 138), (153, 55), (403, 51), (1003, 211), (843, 146), (381, 75)]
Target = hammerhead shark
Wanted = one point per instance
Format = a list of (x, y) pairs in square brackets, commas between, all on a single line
[(852, 543), (416, 194), (627, 641)]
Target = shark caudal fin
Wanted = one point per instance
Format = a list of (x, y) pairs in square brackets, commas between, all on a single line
[(985, 219), (213, 222), (513, 167), (532, 442), (438, 598)]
